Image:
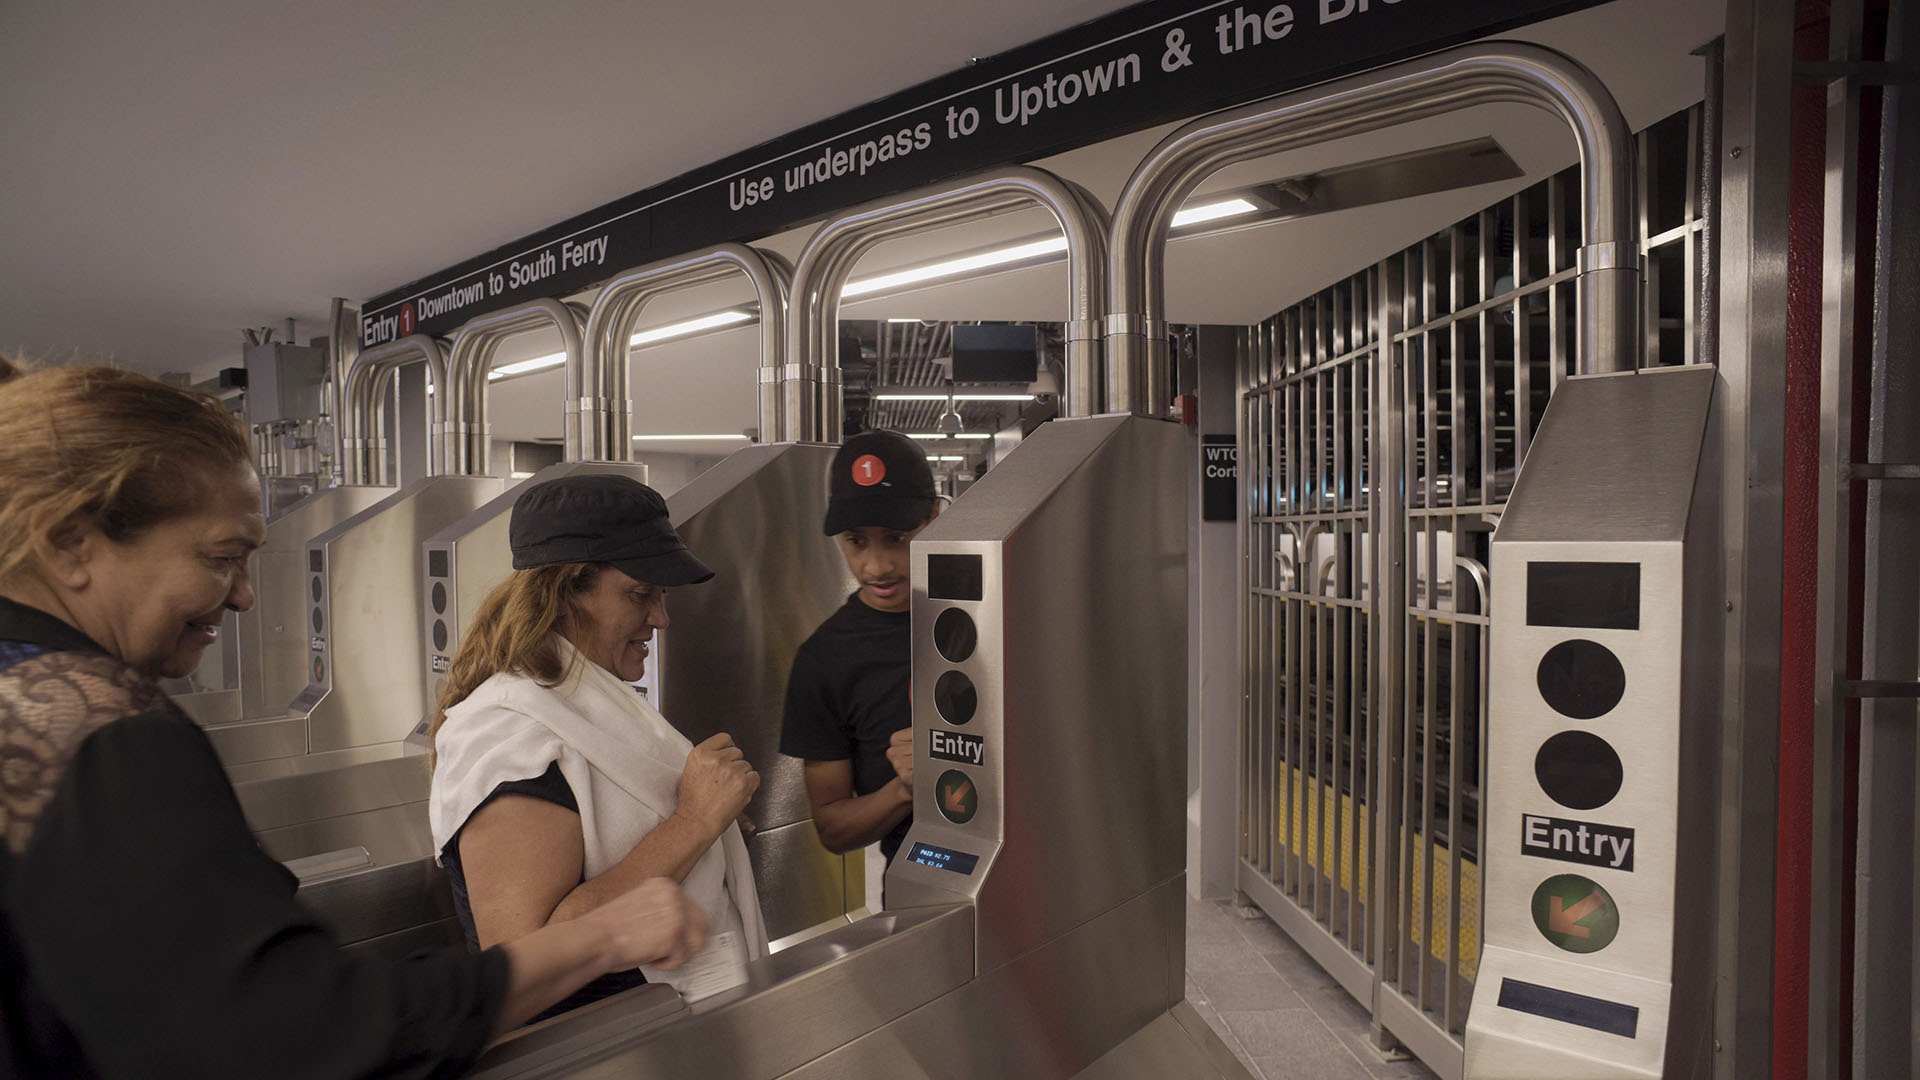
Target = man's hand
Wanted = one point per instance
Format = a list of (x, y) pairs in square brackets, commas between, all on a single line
[(900, 755)]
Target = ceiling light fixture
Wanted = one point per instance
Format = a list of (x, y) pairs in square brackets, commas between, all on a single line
[(956, 397), (946, 457), (689, 438), (938, 435)]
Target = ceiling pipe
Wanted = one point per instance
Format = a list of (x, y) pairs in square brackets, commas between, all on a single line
[(467, 442), (369, 378), (812, 394), (599, 399), (1496, 72)]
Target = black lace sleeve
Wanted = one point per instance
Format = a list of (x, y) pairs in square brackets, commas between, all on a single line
[(160, 934)]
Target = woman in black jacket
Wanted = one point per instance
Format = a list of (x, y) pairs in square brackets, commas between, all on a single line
[(142, 930)]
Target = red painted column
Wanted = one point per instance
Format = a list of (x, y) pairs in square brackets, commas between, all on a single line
[(1799, 576)]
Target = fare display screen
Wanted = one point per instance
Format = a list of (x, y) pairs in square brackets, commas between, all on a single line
[(953, 577), (942, 858)]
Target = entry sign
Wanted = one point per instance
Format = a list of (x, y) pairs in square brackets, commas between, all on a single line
[(1219, 477), (956, 746)]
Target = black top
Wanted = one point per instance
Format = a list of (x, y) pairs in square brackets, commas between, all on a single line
[(142, 930), (848, 695), (550, 786)]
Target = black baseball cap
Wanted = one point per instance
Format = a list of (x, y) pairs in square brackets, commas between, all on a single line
[(601, 518), (879, 478)]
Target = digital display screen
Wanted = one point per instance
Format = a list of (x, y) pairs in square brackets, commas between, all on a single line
[(1569, 1007), (316, 562), (437, 562), (1591, 595), (953, 577), (942, 858)]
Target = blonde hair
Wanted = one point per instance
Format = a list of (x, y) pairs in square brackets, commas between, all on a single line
[(513, 630), (105, 446)]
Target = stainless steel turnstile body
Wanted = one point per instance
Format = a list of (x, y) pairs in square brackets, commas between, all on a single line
[(1601, 740), (722, 664), (271, 638), (1037, 923), (365, 668)]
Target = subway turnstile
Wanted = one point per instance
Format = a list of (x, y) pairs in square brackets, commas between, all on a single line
[(722, 663), (1036, 923), (1600, 774)]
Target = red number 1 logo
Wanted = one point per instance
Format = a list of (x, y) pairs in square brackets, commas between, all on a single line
[(868, 470)]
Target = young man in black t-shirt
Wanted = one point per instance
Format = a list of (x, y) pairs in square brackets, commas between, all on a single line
[(848, 715)]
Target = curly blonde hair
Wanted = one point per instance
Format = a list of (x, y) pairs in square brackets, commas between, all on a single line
[(513, 631)]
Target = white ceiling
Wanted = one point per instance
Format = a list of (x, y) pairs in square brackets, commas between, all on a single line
[(171, 179)]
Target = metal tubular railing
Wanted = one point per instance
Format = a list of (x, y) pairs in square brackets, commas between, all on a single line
[(364, 407), (599, 400), (1136, 339), (811, 398), (467, 442)]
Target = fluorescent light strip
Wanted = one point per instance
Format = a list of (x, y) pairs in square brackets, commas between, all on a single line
[(518, 475), (1225, 208), (689, 438), (985, 260), (937, 435), (645, 337), (956, 397), (946, 457)]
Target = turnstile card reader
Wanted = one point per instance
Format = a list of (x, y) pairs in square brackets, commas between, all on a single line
[(1600, 693), (364, 660)]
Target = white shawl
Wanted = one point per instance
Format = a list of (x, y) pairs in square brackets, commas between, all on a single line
[(621, 758)]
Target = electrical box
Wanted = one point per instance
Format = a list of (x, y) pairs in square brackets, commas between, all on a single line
[(284, 382)]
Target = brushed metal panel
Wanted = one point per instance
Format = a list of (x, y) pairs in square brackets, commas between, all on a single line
[(380, 901), (397, 946), (1080, 668), (1592, 482), (273, 636), (1177, 1043), (800, 884), (723, 664), (391, 834), (368, 685), (1050, 1013), (797, 1005), (258, 740), (308, 795)]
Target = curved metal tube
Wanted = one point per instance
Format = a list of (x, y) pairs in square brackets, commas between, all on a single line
[(363, 406), (599, 398), (1136, 341), (467, 442), (811, 398)]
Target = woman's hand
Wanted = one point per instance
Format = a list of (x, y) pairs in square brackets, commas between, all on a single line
[(716, 785), (654, 924)]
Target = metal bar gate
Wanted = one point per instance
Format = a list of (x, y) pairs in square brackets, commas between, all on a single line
[(1382, 423)]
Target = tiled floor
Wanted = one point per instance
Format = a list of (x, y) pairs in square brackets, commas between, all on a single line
[(1281, 1014)]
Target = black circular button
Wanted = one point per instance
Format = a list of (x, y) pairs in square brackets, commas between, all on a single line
[(439, 635), (955, 697), (316, 590), (439, 598), (319, 669), (319, 621), (953, 634), (1581, 679), (1578, 769)]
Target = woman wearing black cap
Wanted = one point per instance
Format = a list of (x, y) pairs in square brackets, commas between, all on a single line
[(142, 930), (557, 784)]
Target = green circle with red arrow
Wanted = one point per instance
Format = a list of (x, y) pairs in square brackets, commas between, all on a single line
[(956, 796), (1575, 913)]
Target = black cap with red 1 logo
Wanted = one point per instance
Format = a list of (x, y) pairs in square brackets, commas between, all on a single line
[(879, 478)]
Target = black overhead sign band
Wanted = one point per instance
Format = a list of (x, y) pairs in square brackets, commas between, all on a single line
[(1147, 64)]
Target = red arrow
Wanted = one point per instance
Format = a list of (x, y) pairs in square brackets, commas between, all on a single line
[(953, 795), (1568, 921)]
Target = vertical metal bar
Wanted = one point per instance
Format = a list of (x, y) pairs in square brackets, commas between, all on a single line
[(1557, 315), (1829, 989), (1750, 422), (1691, 249), (1386, 765)]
